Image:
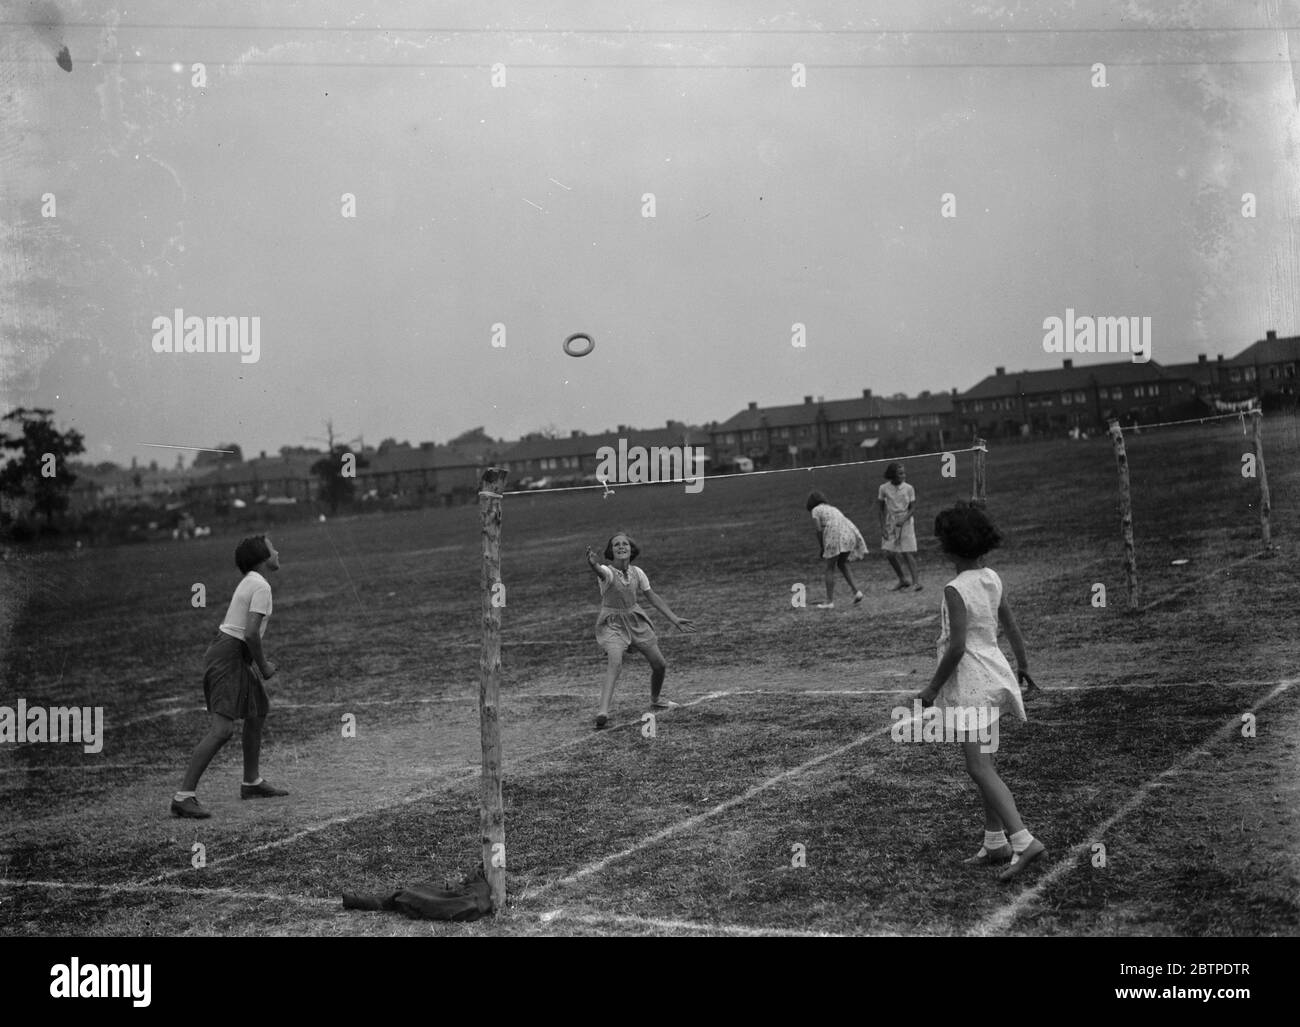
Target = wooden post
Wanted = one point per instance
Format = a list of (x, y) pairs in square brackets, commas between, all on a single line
[(1265, 507), (977, 496), (491, 813), (1125, 513)]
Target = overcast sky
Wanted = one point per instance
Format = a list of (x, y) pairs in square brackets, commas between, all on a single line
[(522, 204)]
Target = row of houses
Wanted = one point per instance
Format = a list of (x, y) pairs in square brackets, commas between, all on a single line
[(1003, 405)]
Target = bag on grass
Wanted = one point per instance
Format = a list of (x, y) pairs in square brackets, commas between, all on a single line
[(431, 900)]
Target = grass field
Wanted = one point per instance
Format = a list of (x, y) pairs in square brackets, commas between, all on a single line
[(782, 739)]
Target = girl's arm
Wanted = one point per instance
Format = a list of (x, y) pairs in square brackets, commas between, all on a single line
[(907, 516), (593, 563), (1009, 625), (883, 511), (681, 623), (253, 639), (956, 645)]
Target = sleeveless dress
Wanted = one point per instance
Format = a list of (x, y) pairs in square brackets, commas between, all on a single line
[(621, 623), (983, 677)]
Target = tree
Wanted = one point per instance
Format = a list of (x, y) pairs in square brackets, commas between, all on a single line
[(38, 468), (337, 486)]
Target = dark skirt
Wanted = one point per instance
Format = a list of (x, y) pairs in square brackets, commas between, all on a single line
[(231, 684)]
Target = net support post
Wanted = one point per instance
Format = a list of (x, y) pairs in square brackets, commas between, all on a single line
[(1265, 503), (977, 496), (491, 812), (1125, 513)]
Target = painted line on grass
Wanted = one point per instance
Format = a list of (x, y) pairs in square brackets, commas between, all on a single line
[(445, 783), (1002, 918), (359, 704), (731, 930), (155, 889), (692, 822), (1198, 582)]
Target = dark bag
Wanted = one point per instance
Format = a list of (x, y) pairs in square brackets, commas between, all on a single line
[(432, 900)]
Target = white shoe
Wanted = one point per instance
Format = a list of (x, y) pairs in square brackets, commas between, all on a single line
[(824, 606)]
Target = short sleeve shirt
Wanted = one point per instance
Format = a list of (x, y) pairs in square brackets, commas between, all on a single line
[(634, 574), (252, 595)]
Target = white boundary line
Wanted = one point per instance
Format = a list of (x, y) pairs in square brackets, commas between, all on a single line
[(1101, 687), (1198, 582), (691, 822), (443, 783), (174, 889), (336, 905), (734, 930), (1002, 918)]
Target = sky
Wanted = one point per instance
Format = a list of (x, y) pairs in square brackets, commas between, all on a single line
[(220, 191)]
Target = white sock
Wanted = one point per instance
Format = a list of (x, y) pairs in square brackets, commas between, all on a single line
[(994, 840), (182, 796), (251, 784), (1020, 841)]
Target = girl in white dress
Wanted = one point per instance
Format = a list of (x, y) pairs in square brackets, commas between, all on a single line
[(974, 675), (839, 541)]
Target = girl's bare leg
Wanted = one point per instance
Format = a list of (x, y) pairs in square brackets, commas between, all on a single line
[(658, 668), (218, 735), (898, 567), (614, 668), (912, 568), (843, 563), (830, 578), (998, 803)]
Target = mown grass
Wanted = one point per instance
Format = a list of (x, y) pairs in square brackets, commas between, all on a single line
[(386, 609)]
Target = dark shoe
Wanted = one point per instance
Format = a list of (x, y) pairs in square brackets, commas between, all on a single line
[(991, 857), (189, 808), (1022, 860), (601, 721), (262, 791)]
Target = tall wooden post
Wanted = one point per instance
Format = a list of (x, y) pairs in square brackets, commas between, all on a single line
[(1265, 506), (977, 496), (1125, 513), (491, 812)]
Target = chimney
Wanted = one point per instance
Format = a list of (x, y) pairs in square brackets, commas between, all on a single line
[(574, 434), (954, 390), (1270, 334), (807, 399), (263, 454), (1201, 358), (753, 406), (1069, 364), (1220, 358), (866, 393), (925, 394), (1000, 371)]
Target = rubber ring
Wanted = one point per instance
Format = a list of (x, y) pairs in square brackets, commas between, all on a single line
[(568, 347)]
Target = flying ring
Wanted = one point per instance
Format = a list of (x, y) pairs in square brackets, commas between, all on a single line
[(569, 349)]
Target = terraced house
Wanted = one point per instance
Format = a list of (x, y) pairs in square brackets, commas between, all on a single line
[(1057, 401), (827, 431)]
